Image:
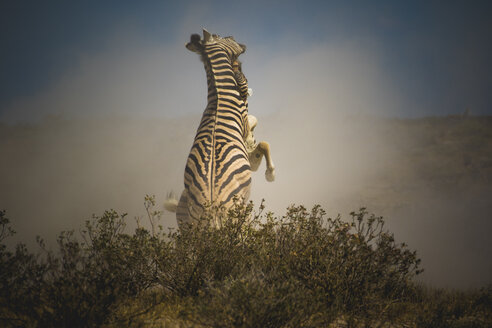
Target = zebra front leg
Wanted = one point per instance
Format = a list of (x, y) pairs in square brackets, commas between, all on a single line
[(270, 171), (262, 149)]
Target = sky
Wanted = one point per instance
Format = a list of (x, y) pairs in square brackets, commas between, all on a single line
[(100, 100), (434, 56)]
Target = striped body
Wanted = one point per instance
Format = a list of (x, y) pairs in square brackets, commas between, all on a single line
[(218, 167)]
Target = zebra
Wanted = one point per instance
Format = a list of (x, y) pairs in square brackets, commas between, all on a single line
[(218, 169), (256, 151)]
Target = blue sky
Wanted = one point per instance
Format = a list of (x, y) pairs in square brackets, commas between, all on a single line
[(434, 56)]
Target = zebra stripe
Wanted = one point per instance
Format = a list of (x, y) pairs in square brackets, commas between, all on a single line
[(218, 168)]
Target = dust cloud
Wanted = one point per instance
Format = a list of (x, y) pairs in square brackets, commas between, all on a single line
[(122, 129)]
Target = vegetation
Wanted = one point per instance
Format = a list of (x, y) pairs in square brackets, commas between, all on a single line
[(300, 270)]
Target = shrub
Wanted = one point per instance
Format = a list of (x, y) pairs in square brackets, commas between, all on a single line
[(83, 282), (21, 278), (452, 308), (256, 270), (299, 270)]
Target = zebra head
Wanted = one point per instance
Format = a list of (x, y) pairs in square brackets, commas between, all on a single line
[(232, 48)]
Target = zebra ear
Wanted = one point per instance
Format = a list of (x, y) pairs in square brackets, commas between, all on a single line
[(242, 47), (207, 37)]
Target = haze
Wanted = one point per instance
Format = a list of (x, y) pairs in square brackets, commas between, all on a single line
[(118, 118)]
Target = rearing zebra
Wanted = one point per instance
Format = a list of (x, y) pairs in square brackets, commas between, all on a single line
[(218, 167)]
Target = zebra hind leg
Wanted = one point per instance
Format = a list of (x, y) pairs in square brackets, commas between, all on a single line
[(182, 211)]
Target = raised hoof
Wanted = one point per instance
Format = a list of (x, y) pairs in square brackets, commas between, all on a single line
[(270, 175)]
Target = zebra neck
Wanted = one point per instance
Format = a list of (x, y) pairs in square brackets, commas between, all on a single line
[(221, 81), (223, 91)]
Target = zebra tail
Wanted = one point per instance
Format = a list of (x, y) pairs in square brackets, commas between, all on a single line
[(171, 203)]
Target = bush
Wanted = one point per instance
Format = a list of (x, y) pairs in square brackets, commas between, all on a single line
[(451, 308), (300, 270), (82, 283)]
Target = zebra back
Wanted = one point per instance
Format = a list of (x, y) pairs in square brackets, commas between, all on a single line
[(218, 167)]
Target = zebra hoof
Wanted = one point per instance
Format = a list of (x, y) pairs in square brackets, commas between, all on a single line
[(270, 175)]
